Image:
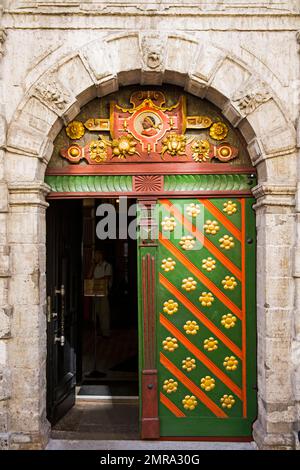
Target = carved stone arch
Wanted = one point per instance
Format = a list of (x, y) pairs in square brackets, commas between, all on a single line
[(99, 68)]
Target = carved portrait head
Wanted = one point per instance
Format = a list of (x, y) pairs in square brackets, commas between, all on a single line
[(152, 51)]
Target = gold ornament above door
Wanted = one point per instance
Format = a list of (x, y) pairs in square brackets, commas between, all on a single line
[(149, 131)]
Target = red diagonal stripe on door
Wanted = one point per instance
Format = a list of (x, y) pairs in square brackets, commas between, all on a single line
[(201, 356), (171, 406), (198, 314), (244, 308), (222, 218), (192, 387), (193, 269), (200, 237)]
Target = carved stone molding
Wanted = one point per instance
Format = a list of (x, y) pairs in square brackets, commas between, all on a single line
[(152, 51), (298, 37), (2, 40), (52, 93), (274, 195), (28, 194), (251, 95)]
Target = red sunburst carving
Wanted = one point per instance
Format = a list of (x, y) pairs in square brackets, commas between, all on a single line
[(148, 183)]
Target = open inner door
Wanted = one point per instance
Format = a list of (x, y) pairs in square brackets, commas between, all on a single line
[(64, 235)]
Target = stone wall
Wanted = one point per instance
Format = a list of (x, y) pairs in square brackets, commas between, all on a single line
[(242, 56)]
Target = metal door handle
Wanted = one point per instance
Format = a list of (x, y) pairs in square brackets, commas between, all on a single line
[(61, 339)]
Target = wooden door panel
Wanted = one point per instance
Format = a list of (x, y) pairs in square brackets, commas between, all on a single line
[(64, 225), (206, 317)]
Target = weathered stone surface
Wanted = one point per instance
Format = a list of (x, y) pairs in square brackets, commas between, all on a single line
[(5, 321), (247, 68)]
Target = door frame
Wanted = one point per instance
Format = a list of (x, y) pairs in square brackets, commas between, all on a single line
[(61, 182)]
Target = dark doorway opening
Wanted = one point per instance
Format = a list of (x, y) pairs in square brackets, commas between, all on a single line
[(110, 362), (92, 363)]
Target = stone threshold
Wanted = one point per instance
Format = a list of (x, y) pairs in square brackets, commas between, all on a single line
[(67, 444)]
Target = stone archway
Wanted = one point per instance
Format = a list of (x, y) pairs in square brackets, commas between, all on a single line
[(54, 99)]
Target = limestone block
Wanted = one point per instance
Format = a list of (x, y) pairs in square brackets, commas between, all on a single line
[(37, 116), (4, 261), (3, 197), (208, 59), (247, 131), (151, 78), (152, 50), (75, 77), (178, 64), (3, 291), (32, 257), (25, 289), (283, 139), (24, 415), (296, 259), (256, 153), (107, 86), (3, 129), (216, 97), (29, 321), (279, 228), (97, 57), (277, 418), (125, 54), (229, 77), (196, 86), (26, 226), (22, 167), (29, 440), (3, 228), (24, 139), (51, 91), (30, 388), (5, 322), (2, 161), (280, 170), (232, 114), (3, 353), (5, 383), (27, 353), (268, 122), (278, 259), (3, 417), (278, 371), (279, 292), (4, 441), (278, 323)]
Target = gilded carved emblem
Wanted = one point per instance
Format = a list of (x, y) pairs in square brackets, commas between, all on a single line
[(75, 130), (201, 150), (124, 146), (174, 144), (218, 131), (98, 150), (149, 130)]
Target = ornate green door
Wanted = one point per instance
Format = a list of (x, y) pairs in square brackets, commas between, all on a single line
[(206, 324)]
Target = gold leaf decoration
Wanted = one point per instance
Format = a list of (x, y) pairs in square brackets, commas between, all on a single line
[(218, 131), (201, 150), (174, 144), (75, 130)]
